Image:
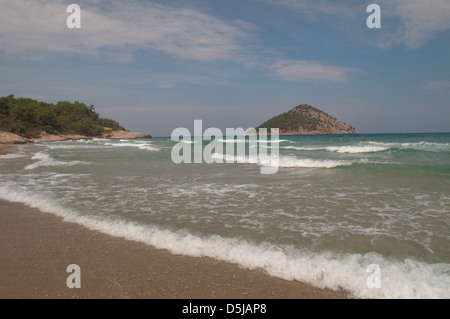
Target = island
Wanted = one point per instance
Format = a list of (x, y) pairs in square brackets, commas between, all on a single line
[(24, 120), (305, 119)]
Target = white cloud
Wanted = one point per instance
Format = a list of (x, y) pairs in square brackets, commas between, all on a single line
[(35, 27), (404, 22), (436, 85), (118, 30), (298, 70), (417, 21)]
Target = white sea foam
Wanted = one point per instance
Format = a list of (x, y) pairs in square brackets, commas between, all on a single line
[(231, 140), (140, 145), (62, 147), (273, 141), (421, 146), (11, 156), (47, 160), (357, 149), (269, 140), (399, 278), (291, 161), (343, 149), (301, 148), (282, 161)]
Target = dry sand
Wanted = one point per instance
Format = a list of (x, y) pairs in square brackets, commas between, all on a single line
[(37, 247)]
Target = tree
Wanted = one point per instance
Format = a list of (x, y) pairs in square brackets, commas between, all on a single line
[(29, 117)]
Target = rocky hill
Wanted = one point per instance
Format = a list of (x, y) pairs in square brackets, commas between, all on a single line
[(306, 119)]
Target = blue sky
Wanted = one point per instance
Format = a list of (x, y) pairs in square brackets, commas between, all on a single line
[(158, 65)]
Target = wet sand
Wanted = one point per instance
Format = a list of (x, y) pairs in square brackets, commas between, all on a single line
[(37, 247), (4, 149)]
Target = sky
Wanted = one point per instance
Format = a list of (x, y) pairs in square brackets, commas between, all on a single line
[(157, 65)]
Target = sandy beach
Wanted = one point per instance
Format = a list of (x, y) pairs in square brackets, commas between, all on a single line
[(37, 247)]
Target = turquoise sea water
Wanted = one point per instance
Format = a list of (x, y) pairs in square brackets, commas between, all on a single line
[(337, 205)]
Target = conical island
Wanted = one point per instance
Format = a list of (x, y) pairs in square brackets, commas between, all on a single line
[(305, 119)]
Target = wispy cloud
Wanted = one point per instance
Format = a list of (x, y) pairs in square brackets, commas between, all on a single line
[(298, 70), (436, 85), (414, 22), (404, 22), (39, 26), (118, 30), (168, 80)]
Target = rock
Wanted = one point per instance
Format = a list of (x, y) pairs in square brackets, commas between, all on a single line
[(119, 134), (45, 137), (11, 138)]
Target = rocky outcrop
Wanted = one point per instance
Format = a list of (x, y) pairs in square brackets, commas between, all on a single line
[(10, 138), (305, 120), (119, 134), (45, 137)]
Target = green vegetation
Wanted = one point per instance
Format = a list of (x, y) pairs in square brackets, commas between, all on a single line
[(28, 118)]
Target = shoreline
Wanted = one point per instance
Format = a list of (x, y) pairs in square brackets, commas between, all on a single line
[(37, 247), (5, 149), (7, 138)]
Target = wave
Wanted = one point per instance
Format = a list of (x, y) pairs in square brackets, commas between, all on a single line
[(420, 146), (139, 145), (371, 147), (62, 147), (11, 156), (90, 144), (290, 161), (47, 160), (282, 161), (399, 278), (273, 141), (342, 149), (269, 140), (221, 140)]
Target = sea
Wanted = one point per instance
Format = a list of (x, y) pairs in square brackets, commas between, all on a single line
[(365, 213)]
